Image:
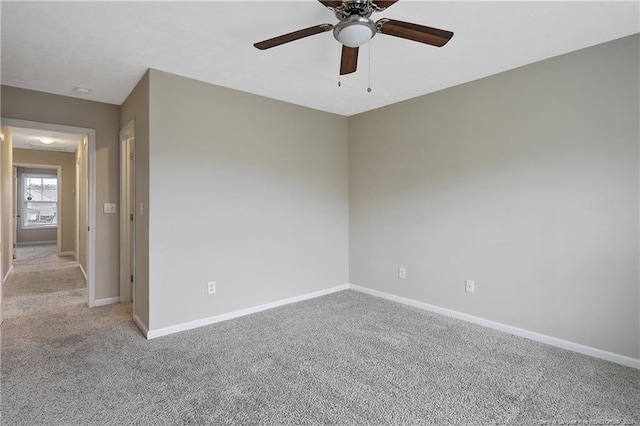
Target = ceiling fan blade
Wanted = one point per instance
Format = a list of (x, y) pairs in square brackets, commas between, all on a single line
[(296, 35), (331, 3), (420, 33), (349, 61), (383, 4)]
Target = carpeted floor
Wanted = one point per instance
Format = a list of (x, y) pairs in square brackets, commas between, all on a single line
[(346, 358), (41, 281)]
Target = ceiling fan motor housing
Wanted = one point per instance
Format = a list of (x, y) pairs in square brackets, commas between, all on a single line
[(355, 7)]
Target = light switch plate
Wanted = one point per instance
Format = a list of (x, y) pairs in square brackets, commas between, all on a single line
[(402, 273), (109, 208)]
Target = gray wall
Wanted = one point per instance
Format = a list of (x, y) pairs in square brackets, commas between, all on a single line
[(136, 107), (244, 190), (67, 205), (526, 182), (30, 105)]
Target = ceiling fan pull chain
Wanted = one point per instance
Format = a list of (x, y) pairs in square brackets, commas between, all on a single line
[(339, 75), (369, 88)]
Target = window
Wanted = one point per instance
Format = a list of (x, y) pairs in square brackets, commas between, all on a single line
[(40, 194)]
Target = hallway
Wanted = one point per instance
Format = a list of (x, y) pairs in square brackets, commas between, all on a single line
[(45, 297), (50, 337), (45, 305), (42, 283)]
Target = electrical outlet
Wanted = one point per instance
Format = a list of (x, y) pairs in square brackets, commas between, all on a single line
[(470, 286), (402, 273), (211, 287)]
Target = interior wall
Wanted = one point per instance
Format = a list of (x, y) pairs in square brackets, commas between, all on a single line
[(38, 234), (526, 182), (6, 182), (246, 191), (136, 107), (22, 104)]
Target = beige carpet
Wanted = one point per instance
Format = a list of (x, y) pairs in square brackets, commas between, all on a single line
[(45, 304), (42, 281)]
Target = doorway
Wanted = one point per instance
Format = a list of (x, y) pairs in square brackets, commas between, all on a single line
[(79, 240), (38, 211)]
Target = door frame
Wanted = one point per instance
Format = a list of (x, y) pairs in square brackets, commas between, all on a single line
[(14, 201), (91, 190), (127, 216)]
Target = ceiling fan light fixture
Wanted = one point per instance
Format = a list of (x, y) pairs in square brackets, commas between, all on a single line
[(354, 31)]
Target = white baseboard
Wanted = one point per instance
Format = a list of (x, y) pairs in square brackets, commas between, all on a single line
[(151, 334), (106, 301), (36, 243), (141, 326), (553, 341), (83, 273), (6, 277), (68, 253)]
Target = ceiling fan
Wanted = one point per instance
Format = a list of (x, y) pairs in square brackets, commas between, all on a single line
[(356, 28)]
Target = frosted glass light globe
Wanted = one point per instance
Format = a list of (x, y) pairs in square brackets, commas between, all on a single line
[(355, 31)]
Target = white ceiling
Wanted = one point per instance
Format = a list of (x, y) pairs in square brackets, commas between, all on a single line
[(56, 46), (30, 139)]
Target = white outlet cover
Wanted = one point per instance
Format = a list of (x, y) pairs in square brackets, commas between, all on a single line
[(470, 286), (109, 208), (211, 287)]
